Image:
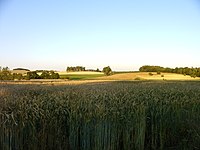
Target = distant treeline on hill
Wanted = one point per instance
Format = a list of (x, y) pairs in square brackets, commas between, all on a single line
[(193, 72), (80, 68), (77, 68), (21, 69)]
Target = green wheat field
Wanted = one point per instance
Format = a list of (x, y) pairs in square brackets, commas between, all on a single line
[(137, 115)]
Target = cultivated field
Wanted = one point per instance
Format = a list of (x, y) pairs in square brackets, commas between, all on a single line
[(81, 75), (146, 76), (53, 82), (102, 116), (90, 75)]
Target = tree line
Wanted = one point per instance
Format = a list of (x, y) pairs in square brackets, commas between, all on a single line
[(74, 69), (106, 70), (193, 72), (44, 75), (6, 74)]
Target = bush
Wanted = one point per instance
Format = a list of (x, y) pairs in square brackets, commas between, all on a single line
[(193, 76), (151, 74), (45, 75), (32, 75), (5, 74), (17, 76), (55, 76), (49, 75), (138, 78)]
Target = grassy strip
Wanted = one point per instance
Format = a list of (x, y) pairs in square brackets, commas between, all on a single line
[(81, 77)]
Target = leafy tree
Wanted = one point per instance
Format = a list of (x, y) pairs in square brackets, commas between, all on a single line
[(17, 76), (45, 75), (5, 69), (49, 75), (55, 76), (32, 75), (107, 70), (5, 74), (98, 70)]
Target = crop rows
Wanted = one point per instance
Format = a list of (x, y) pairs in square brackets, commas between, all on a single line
[(104, 116)]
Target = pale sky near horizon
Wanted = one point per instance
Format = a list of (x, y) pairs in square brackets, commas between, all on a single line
[(124, 34)]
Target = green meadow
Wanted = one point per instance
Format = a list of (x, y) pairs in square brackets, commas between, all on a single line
[(81, 76)]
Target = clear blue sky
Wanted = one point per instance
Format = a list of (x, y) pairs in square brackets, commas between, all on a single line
[(125, 34)]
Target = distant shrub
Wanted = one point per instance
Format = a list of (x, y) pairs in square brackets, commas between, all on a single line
[(138, 78), (193, 76), (32, 75), (158, 72), (162, 75), (17, 76), (151, 74), (49, 75)]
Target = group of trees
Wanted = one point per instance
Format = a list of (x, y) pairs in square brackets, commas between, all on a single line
[(77, 68), (106, 70), (193, 72), (6, 74), (93, 70), (49, 75), (148, 68), (44, 75)]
